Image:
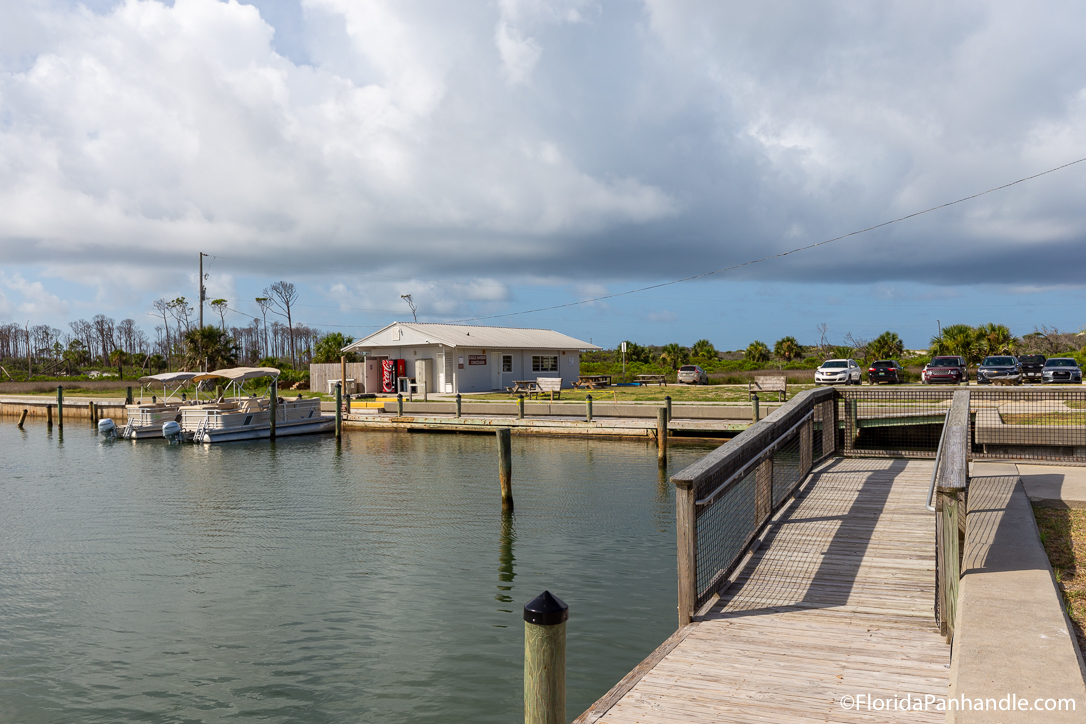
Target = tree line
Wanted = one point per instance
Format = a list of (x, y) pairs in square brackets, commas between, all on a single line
[(176, 343)]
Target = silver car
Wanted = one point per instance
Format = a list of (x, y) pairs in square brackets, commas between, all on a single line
[(692, 375), (1061, 369), (838, 371)]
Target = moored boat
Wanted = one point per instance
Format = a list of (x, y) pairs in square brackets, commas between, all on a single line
[(248, 417), (145, 419)]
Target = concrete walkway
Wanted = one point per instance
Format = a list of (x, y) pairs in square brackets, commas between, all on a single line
[(1012, 640), (1052, 486)]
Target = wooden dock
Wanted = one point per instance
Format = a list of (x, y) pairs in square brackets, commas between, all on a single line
[(836, 602), (565, 425)]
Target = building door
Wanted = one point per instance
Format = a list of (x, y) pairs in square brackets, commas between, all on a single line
[(507, 371)]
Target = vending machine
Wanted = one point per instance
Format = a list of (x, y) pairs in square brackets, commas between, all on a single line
[(401, 368), (388, 375)]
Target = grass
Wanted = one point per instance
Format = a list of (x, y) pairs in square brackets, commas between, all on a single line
[(654, 393), (1044, 418), (1063, 534)]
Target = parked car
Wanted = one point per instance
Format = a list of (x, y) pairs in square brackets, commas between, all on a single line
[(1061, 369), (836, 371), (999, 369), (1032, 366), (947, 368), (693, 375), (886, 370)]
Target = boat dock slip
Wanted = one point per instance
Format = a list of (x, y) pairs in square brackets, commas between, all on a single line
[(836, 602)]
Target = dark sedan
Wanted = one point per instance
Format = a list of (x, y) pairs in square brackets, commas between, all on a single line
[(999, 369), (1061, 369), (885, 370)]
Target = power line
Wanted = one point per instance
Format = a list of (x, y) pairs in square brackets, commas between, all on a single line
[(773, 256)]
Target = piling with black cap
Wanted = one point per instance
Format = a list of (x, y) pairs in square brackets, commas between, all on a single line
[(399, 404), (545, 619), (667, 406), (754, 413), (339, 410), (90, 411), (48, 415), (60, 407), (588, 408), (520, 407), (273, 395), (128, 395), (458, 404), (505, 466)]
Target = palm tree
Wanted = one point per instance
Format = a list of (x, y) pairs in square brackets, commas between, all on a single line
[(995, 339), (757, 352), (887, 346), (703, 349), (209, 346), (957, 339), (787, 349), (675, 355)]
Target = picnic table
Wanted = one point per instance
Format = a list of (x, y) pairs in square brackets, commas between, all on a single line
[(592, 382), (524, 387), (651, 380)]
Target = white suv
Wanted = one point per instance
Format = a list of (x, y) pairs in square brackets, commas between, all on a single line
[(837, 371)]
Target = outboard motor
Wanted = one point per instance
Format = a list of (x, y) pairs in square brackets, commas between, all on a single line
[(107, 428), (171, 431)]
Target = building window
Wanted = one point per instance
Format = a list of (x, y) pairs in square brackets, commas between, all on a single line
[(507, 363), (544, 363)]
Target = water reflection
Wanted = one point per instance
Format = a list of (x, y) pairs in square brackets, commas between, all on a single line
[(506, 559)]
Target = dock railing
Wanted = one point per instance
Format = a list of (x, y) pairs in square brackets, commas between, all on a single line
[(947, 496), (724, 501)]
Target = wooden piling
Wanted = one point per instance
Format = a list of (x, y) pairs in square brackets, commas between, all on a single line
[(22, 418), (458, 404), (505, 466), (48, 416), (520, 407), (588, 408), (661, 435), (685, 532), (545, 619), (128, 395), (60, 407), (274, 403), (90, 412), (343, 374), (754, 415), (339, 410), (667, 406), (399, 405)]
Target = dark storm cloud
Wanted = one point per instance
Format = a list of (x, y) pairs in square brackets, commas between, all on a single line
[(643, 140)]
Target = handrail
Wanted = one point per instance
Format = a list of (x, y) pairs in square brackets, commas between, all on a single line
[(930, 505), (767, 450)]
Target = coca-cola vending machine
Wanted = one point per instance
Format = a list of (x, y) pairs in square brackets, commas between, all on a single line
[(388, 375)]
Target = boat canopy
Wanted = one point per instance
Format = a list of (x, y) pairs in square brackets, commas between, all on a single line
[(239, 374), (167, 377)]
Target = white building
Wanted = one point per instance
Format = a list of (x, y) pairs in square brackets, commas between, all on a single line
[(464, 358)]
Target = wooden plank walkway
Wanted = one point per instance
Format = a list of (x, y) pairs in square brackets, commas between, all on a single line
[(837, 602)]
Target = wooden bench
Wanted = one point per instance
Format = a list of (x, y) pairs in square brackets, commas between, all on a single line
[(550, 384), (651, 380), (769, 383)]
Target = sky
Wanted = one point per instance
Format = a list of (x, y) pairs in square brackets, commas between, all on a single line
[(499, 157)]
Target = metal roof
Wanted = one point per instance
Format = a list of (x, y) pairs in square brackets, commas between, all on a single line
[(406, 334)]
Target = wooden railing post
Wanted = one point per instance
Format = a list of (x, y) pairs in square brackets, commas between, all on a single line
[(806, 448), (950, 503), (763, 491), (686, 540)]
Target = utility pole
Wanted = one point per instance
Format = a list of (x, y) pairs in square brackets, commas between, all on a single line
[(203, 292)]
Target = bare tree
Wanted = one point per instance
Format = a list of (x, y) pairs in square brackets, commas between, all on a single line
[(265, 306), (219, 305), (283, 295), (822, 330), (163, 308)]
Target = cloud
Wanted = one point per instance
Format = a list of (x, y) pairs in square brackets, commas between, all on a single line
[(37, 301), (562, 140)]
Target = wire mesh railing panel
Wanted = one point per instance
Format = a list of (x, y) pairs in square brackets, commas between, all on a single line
[(788, 471), (1029, 424), (903, 421), (724, 530)]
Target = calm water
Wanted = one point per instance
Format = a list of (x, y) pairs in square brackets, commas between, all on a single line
[(294, 583)]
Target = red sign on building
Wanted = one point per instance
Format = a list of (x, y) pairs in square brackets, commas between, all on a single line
[(476, 359)]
